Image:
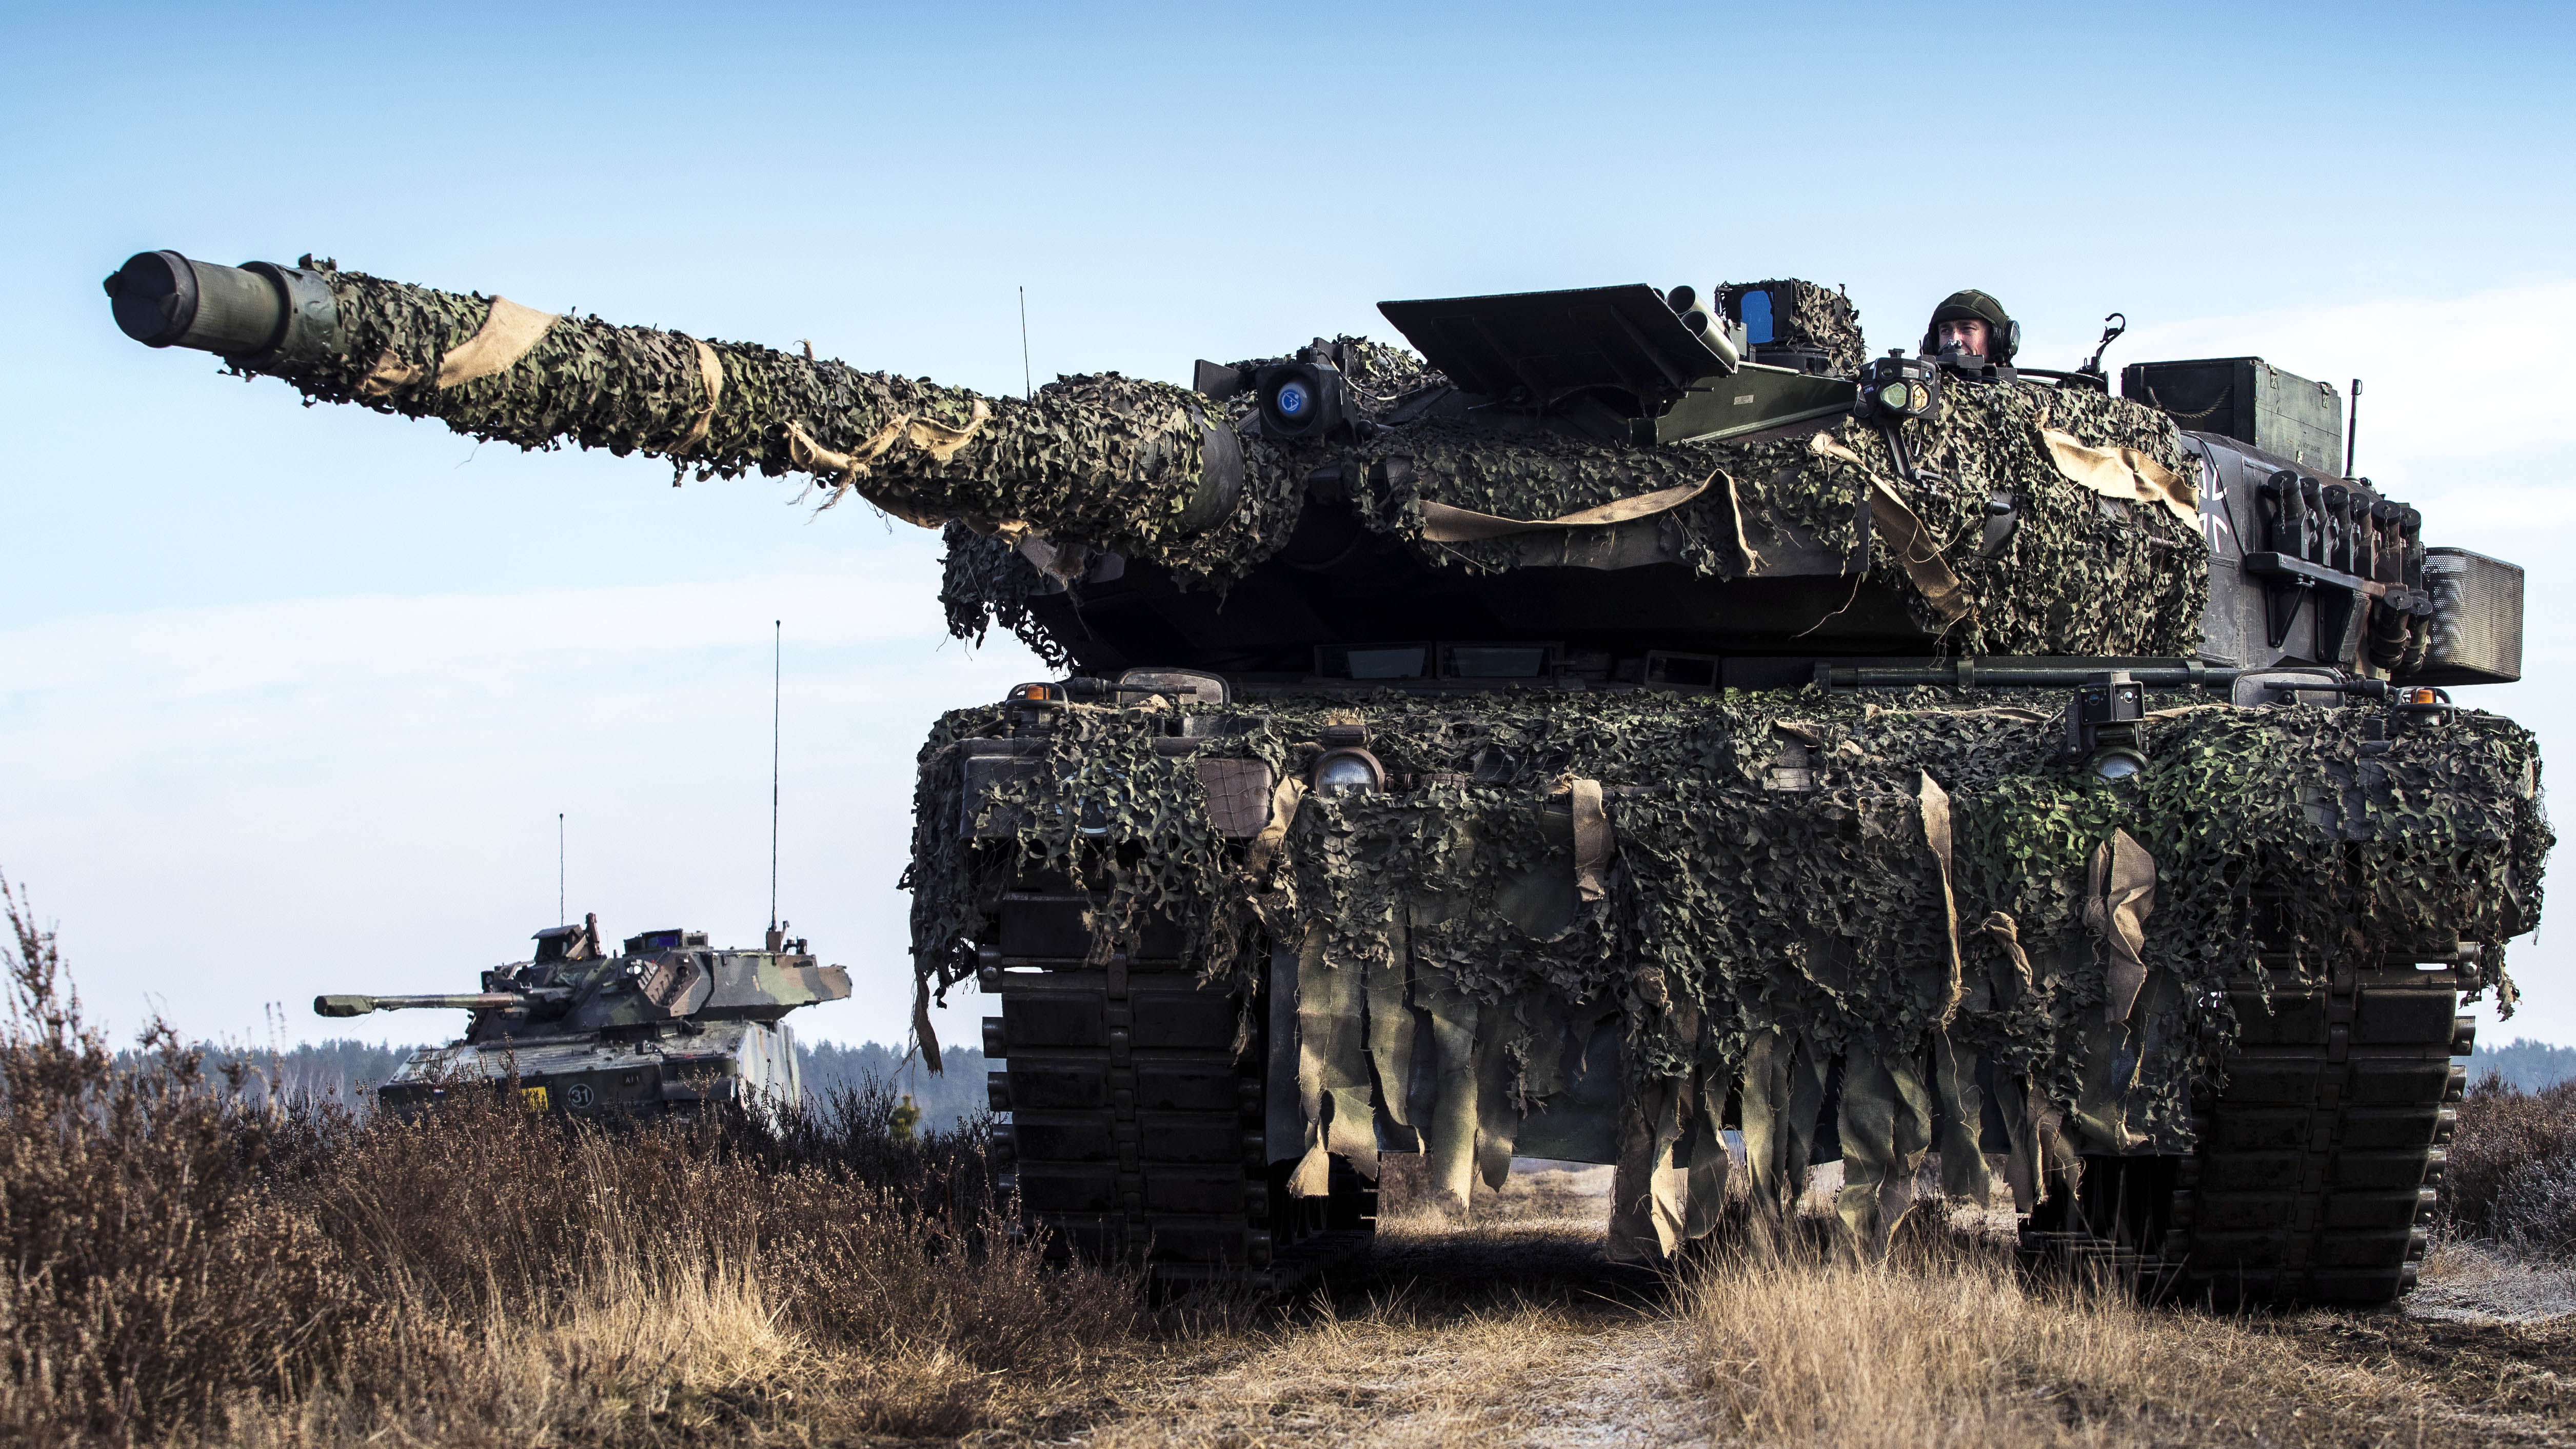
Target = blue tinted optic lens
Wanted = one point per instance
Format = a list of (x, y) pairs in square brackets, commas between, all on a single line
[(1756, 307), (1292, 399)]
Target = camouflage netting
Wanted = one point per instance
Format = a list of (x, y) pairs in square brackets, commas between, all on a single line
[(1740, 890), (1111, 460), (2080, 574), (1807, 316), (1120, 464), (1770, 900)]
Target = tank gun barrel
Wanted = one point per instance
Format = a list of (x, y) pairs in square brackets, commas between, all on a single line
[(1107, 459), (465, 1001)]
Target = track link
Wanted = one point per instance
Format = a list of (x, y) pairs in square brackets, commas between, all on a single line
[(1136, 1132), (2320, 1160)]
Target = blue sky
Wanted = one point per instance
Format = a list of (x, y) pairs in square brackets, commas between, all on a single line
[(289, 698)]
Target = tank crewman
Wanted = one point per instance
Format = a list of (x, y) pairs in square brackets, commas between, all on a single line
[(1973, 322), (585, 947)]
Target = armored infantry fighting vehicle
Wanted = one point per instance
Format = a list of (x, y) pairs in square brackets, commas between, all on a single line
[(667, 1024), (1637, 726)]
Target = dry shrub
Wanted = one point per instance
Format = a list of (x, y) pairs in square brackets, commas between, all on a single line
[(185, 1266), (2512, 1171), (146, 1282)]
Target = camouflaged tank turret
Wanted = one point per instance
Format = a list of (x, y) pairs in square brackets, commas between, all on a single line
[(1635, 725), (666, 1024)]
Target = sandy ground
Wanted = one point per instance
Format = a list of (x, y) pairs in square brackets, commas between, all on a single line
[(2465, 1283), (1515, 1330)]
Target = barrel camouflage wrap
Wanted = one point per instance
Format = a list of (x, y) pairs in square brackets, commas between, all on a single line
[(1113, 460), (1774, 900)]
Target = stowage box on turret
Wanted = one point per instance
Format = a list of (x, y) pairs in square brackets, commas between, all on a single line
[(1628, 717), (668, 1024)]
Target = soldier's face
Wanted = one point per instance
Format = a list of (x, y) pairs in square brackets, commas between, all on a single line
[(1968, 336)]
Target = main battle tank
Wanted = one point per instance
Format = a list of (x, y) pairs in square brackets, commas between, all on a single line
[(668, 1024), (1628, 722)]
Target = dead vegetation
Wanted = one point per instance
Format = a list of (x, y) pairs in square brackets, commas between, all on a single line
[(1513, 1330), (1946, 1343), (2511, 1177), (1509, 1328), (187, 1268)]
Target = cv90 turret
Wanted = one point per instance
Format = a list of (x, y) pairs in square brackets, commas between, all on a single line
[(666, 1023)]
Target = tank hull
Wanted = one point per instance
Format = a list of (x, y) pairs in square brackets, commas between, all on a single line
[(589, 1074), (1737, 933)]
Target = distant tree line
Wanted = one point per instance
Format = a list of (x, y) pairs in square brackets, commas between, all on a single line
[(341, 1068), (2532, 1066), (955, 1093), (345, 1068)]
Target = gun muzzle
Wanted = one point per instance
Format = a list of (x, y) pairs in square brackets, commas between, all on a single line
[(361, 1005), (259, 314)]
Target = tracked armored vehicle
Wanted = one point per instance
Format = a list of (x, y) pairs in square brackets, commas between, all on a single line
[(667, 1024), (1628, 722)]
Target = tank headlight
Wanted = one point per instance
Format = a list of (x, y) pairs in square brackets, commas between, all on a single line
[(2116, 765), (1300, 400), (1922, 397), (1339, 772), (1895, 397)]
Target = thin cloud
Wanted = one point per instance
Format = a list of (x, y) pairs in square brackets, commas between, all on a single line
[(233, 805), (2453, 387)]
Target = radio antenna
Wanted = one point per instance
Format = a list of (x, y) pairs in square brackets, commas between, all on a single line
[(560, 917), (777, 672), (1028, 383), (2351, 428)]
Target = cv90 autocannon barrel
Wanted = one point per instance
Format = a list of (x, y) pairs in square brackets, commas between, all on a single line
[(462, 1001), (1103, 458)]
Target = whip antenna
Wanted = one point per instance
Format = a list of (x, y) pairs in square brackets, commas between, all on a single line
[(1028, 384), (560, 918), (777, 672), (2351, 428)]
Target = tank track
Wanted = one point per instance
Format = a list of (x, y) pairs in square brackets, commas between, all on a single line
[(1137, 1134), (2320, 1160)]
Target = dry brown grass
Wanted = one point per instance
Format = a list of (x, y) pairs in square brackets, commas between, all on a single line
[(180, 1266), (1945, 1343), (1511, 1330), (183, 1268), (2512, 1170)]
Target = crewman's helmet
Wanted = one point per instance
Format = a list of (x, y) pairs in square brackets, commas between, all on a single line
[(2002, 332)]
